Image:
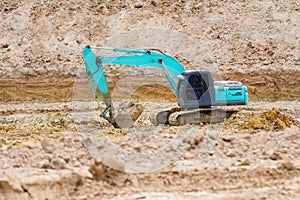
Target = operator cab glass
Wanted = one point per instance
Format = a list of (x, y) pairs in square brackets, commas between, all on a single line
[(198, 85), (195, 89)]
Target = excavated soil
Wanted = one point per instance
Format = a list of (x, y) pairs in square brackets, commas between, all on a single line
[(49, 123), (43, 155)]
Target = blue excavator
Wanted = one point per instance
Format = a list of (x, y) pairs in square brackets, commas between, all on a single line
[(196, 91)]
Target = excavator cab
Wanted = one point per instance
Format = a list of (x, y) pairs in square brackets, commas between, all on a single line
[(195, 89)]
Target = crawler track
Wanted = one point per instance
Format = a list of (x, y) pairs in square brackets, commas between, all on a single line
[(175, 116)]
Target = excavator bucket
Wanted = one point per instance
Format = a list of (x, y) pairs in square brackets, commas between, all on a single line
[(126, 114)]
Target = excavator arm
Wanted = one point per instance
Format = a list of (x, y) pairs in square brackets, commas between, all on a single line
[(131, 57)]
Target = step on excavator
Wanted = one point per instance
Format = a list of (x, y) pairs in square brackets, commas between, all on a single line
[(198, 95)]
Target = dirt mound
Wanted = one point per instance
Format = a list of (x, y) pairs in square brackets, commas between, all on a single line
[(47, 36), (267, 120)]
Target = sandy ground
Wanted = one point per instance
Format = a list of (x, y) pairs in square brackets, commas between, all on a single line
[(42, 150), (50, 131)]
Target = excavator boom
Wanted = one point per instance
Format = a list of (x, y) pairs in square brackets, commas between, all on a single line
[(131, 57)]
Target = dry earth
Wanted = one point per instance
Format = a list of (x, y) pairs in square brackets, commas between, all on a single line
[(43, 150)]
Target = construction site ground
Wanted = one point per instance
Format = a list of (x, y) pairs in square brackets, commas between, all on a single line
[(47, 110)]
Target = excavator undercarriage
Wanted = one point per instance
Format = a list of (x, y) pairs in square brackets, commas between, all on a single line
[(177, 116)]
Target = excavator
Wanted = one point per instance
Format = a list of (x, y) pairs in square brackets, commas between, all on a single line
[(196, 91)]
